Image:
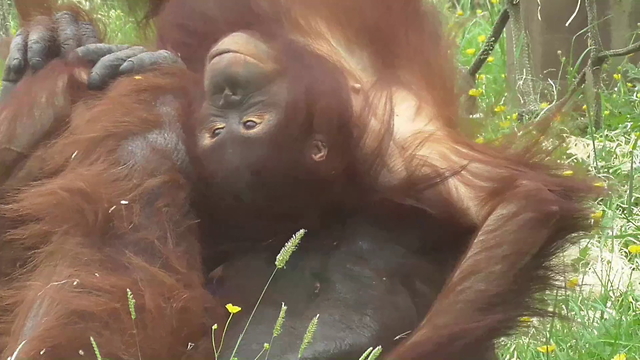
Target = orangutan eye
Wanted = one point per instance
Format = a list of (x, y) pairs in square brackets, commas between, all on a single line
[(217, 131), (249, 124)]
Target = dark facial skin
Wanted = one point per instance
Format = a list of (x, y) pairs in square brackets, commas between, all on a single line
[(249, 148)]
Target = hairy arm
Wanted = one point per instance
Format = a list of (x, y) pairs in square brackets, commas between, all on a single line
[(523, 214), (38, 108)]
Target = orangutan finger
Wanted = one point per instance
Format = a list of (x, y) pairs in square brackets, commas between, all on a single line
[(94, 52), (148, 60), (88, 33), (15, 65), (41, 46), (67, 25), (108, 68)]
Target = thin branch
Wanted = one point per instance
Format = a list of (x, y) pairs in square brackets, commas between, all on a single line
[(598, 61), (631, 49), (522, 57), (490, 44), (595, 80)]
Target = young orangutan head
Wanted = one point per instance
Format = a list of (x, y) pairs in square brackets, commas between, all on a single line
[(275, 123)]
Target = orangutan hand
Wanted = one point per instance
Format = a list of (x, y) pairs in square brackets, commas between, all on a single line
[(63, 35), (111, 61)]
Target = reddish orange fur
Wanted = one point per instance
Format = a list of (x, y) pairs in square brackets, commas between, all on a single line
[(38, 108), (37, 111), (92, 248), (522, 210), (28, 9)]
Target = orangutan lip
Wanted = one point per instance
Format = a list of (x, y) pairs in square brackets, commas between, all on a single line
[(216, 53)]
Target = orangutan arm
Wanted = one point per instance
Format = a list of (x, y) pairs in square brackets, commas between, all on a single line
[(38, 108), (523, 214)]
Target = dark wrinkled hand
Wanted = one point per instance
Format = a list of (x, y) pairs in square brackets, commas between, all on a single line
[(44, 40), (64, 35), (112, 61)]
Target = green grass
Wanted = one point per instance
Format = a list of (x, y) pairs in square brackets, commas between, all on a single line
[(601, 315)]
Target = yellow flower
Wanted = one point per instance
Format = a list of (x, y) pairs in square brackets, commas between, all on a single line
[(495, 1), (460, 13), (514, 116), (584, 107), (567, 173), (634, 249), (607, 112), (480, 140), (526, 319), (629, 85), (491, 59), (482, 38), (481, 77), (597, 215), (475, 92), (479, 12), (470, 51), (617, 76), (544, 105), (500, 108), (620, 357), (572, 283), (505, 124), (232, 308), (547, 349)]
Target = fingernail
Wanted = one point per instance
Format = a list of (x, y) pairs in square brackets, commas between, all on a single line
[(93, 82), (36, 63), (17, 64), (127, 67)]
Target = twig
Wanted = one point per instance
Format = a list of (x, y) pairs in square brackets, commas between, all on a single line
[(490, 44), (522, 53), (595, 80), (631, 49), (598, 61)]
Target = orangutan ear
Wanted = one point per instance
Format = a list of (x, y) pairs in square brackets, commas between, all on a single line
[(318, 148)]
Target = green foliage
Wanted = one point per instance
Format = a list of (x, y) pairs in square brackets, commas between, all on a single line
[(120, 26), (600, 304)]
